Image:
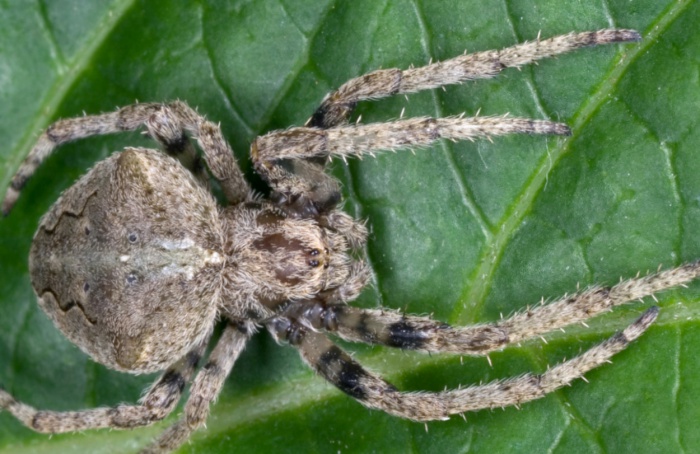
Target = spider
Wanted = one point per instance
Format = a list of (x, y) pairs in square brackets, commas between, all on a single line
[(136, 261)]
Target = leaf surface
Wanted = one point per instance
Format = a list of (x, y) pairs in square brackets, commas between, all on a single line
[(463, 231)]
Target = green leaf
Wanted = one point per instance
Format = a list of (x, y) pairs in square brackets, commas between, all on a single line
[(464, 231)]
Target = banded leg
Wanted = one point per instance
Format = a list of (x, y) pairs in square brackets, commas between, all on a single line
[(159, 402), (206, 387), (338, 105), (165, 123), (282, 157), (409, 332), (345, 373)]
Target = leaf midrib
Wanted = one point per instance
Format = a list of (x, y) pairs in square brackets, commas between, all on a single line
[(71, 71), (473, 297)]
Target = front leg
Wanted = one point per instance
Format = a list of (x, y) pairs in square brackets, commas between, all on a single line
[(337, 106), (341, 370), (289, 160), (411, 332)]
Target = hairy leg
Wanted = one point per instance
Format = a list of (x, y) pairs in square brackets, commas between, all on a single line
[(206, 387), (338, 105), (159, 402), (411, 332), (282, 158), (293, 161), (164, 122), (349, 376)]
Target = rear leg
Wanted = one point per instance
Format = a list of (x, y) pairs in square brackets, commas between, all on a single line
[(349, 376), (205, 388), (165, 123), (159, 402)]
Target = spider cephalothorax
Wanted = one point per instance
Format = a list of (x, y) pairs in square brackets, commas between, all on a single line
[(136, 261), (273, 258)]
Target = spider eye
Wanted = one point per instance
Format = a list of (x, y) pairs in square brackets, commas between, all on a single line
[(313, 263)]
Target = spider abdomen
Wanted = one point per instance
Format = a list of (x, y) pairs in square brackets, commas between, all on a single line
[(130, 272)]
